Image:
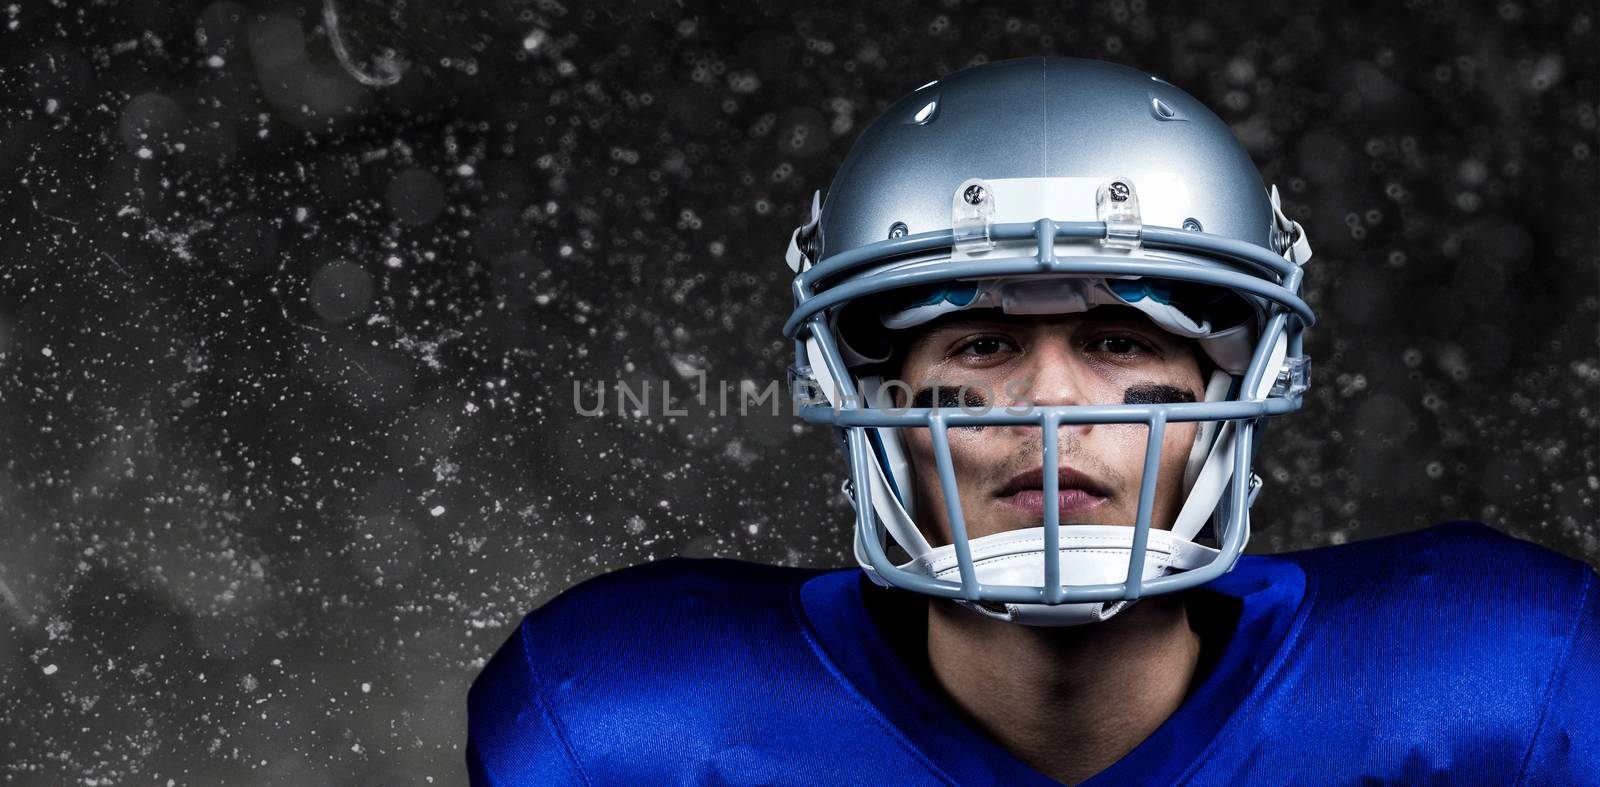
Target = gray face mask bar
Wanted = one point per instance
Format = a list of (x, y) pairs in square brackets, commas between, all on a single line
[(1277, 375)]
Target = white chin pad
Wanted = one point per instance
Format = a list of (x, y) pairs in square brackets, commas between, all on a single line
[(1090, 555)]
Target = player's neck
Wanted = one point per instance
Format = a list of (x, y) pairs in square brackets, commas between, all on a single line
[(1102, 688)]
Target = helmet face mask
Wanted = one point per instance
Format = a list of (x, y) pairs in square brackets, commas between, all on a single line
[(986, 360), (1162, 215)]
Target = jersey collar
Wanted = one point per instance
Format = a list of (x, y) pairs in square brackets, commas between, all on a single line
[(1254, 606)]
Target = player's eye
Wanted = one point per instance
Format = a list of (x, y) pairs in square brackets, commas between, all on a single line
[(985, 347), (1118, 345)]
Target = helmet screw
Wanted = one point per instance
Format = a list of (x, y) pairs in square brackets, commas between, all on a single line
[(975, 194), (1119, 191), (1280, 240), (898, 230), (1192, 225), (809, 245)]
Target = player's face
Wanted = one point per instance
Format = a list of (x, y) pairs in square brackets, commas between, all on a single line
[(1107, 355)]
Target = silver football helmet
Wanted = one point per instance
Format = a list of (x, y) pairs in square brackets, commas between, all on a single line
[(1042, 186)]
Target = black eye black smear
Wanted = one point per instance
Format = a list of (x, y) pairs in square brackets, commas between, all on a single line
[(1156, 394), (1153, 393), (949, 398)]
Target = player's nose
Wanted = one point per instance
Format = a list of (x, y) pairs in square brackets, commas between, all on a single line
[(1053, 376)]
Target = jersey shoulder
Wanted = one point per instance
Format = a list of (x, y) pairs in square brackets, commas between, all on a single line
[(1458, 582), (1415, 654), (662, 613), (668, 599), (1461, 562), (640, 673)]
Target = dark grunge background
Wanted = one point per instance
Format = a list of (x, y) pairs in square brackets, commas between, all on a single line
[(292, 297)]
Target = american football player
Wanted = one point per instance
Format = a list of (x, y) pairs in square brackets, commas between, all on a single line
[(1047, 309)]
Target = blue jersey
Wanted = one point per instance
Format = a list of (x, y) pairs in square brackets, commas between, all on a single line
[(1449, 655)]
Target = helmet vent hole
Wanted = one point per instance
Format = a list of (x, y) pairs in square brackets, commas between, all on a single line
[(927, 114)]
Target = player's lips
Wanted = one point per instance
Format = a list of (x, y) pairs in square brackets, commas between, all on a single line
[(1079, 493)]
